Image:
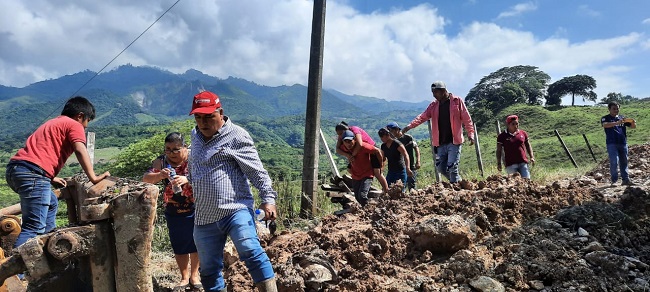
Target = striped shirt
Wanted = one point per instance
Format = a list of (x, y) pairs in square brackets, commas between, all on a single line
[(220, 171)]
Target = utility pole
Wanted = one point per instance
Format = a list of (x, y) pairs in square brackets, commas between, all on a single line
[(312, 117)]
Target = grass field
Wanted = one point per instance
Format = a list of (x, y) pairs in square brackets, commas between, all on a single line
[(552, 162)]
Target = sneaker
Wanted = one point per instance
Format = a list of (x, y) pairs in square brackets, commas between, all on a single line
[(628, 183)]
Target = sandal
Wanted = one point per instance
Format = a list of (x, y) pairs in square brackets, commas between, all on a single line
[(196, 286), (181, 288)]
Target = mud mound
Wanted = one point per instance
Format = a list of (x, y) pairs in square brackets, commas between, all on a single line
[(503, 233)]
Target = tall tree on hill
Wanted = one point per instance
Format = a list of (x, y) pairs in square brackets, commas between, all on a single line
[(582, 85), (505, 87)]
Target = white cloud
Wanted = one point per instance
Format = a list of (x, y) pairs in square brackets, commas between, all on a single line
[(518, 10), (646, 45), (646, 21), (586, 10), (393, 55)]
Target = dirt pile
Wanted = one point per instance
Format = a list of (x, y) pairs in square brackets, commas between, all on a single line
[(500, 234)]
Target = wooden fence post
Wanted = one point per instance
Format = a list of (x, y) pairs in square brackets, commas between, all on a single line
[(477, 146), (434, 153), (589, 147), (566, 149)]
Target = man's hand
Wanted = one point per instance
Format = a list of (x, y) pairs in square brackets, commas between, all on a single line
[(532, 161), (409, 173), (499, 167), (471, 140), (270, 212), (405, 129), (417, 165), (99, 178)]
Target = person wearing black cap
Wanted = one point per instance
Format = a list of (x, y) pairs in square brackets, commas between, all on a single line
[(448, 115), (411, 148), (514, 143)]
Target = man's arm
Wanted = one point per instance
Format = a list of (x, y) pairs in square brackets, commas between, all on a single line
[(421, 118), (613, 124), (499, 154), (407, 161), (84, 160), (530, 151), (250, 164), (466, 119), (417, 154), (382, 180)]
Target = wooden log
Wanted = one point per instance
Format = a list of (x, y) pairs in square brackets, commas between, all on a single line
[(34, 258), (11, 210), (9, 267), (9, 231), (133, 216), (102, 259)]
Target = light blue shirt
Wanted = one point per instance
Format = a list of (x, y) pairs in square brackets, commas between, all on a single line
[(220, 170)]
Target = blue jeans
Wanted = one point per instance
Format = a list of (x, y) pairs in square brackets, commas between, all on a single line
[(410, 181), (521, 168), (448, 159), (361, 188), (38, 203), (618, 157), (393, 176), (210, 240)]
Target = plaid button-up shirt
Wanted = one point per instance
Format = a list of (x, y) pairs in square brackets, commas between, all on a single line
[(220, 171)]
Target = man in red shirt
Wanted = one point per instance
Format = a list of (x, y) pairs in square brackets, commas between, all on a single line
[(33, 170), (514, 142), (361, 168)]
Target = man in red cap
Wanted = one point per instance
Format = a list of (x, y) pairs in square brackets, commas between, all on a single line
[(514, 142), (222, 162)]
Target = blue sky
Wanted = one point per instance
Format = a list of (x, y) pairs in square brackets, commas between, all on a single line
[(387, 49)]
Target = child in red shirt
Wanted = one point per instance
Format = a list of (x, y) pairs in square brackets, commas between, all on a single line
[(34, 168)]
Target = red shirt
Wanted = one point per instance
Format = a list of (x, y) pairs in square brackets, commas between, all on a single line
[(514, 146), (52, 143), (361, 167)]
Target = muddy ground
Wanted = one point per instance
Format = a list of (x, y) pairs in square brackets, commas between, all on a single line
[(500, 234)]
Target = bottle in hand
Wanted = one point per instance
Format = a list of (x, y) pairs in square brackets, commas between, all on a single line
[(172, 174)]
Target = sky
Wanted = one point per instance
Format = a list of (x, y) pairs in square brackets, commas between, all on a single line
[(388, 49)]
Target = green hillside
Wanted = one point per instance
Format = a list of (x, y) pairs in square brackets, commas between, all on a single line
[(540, 123)]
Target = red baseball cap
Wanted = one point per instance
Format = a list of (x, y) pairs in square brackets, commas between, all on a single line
[(511, 118), (205, 102)]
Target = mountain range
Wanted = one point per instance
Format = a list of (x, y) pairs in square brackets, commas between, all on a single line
[(131, 95)]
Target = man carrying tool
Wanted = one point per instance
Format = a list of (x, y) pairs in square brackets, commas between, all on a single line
[(361, 168)]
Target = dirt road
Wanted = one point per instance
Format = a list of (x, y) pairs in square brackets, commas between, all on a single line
[(501, 234)]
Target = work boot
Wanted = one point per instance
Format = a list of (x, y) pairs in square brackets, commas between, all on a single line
[(267, 285), (628, 183)]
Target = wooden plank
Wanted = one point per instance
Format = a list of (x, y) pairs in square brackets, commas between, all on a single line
[(90, 146)]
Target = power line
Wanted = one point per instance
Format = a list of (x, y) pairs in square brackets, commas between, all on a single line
[(107, 64)]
